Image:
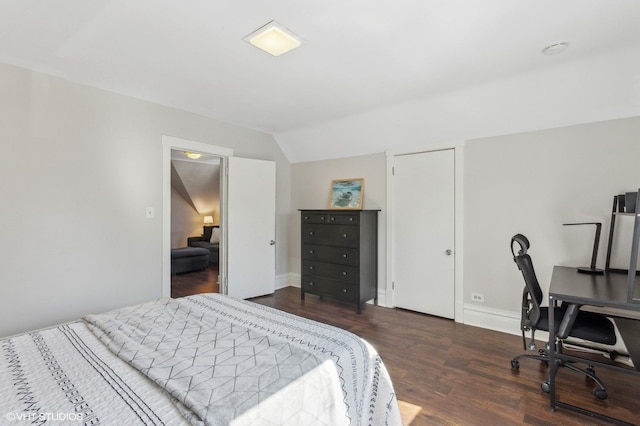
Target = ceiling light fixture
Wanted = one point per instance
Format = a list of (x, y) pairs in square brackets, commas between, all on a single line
[(274, 39), (555, 48), (192, 155)]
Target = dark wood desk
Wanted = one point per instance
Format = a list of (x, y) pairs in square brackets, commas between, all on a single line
[(607, 291)]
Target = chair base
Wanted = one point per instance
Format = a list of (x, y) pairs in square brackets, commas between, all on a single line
[(599, 391)]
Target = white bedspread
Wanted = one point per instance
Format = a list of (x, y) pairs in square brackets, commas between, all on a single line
[(65, 375), (218, 360)]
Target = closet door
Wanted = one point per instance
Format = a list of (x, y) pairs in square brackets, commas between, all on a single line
[(423, 232), (250, 234)]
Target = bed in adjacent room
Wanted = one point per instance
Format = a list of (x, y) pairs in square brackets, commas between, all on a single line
[(204, 359)]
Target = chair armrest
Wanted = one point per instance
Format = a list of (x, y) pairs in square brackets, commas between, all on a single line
[(568, 319), (191, 240)]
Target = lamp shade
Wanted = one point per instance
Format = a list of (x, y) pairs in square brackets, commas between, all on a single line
[(208, 220)]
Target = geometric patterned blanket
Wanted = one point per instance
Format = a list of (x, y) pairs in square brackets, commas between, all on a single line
[(226, 361), (65, 376)]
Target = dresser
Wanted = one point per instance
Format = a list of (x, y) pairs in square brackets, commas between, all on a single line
[(340, 255)]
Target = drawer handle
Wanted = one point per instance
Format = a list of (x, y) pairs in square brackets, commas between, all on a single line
[(311, 284), (344, 235), (345, 256), (344, 273), (333, 218), (311, 233), (321, 217), (344, 290), (310, 251), (311, 268), (306, 217), (350, 219)]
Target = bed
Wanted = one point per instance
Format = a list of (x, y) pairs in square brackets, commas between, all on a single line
[(206, 359)]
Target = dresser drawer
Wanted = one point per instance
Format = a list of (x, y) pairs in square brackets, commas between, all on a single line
[(334, 235), (337, 272), (339, 255), (330, 288), (315, 218), (344, 219)]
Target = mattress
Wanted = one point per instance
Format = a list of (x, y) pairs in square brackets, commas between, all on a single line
[(205, 359)]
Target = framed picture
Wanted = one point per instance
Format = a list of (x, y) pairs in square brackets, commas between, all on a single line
[(346, 194)]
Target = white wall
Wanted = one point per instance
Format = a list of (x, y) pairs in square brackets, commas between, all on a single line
[(78, 168), (310, 187), (532, 183)]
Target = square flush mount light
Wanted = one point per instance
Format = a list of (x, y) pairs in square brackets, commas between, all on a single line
[(274, 39)]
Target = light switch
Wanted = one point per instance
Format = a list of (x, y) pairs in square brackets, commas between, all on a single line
[(150, 213)]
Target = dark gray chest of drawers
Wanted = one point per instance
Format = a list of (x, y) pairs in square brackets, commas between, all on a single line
[(340, 254)]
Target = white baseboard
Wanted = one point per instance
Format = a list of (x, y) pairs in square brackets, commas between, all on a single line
[(493, 319), (382, 298), (498, 320), (287, 280)]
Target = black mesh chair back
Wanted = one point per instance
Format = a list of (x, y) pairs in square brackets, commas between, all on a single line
[(532, 293)]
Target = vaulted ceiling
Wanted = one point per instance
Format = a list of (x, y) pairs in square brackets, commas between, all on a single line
[(357, 55), (197, 182)]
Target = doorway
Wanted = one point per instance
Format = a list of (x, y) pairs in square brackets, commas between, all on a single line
[(195, 220), (169, 144), (247, 220)]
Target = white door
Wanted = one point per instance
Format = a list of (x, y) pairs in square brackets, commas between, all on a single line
[(423, 232), (251, 208)]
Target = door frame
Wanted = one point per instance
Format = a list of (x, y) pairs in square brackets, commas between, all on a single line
[(458, 150), (170, 143)]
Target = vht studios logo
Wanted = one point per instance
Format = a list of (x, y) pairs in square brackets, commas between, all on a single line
[(52, 417)]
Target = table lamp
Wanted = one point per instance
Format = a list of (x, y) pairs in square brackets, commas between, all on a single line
[(591, 269)]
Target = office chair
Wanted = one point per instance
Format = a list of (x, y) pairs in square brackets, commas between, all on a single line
[(570, 321)]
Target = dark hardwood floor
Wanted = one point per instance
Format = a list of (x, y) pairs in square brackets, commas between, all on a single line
[(446, 373), (205, 281)]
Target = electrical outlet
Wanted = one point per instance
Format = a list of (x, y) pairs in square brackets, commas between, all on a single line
[(477, 297)]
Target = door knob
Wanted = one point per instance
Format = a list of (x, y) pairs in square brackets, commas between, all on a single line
[(448, 252), (272, 243)]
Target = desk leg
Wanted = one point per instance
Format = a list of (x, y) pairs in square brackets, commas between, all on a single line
[(553, 367), (629, 331)]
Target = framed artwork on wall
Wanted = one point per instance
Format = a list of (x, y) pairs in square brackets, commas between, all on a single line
[(346, 194)]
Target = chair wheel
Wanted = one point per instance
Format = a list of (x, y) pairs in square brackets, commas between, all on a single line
[(545, 387), (600, 393), (515, 364)]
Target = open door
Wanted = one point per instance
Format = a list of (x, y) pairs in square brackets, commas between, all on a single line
[(250, 233)]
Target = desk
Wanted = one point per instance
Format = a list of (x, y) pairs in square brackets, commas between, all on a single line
[(609, 291)]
